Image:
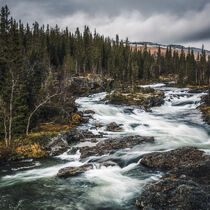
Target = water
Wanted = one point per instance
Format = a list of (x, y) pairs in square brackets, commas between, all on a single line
[(34, 185)]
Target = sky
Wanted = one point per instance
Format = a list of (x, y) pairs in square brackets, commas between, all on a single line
[(184, 22)]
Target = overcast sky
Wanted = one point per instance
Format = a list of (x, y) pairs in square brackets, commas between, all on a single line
[(164, 21)]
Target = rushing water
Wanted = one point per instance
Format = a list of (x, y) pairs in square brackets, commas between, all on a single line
[(34, 185)]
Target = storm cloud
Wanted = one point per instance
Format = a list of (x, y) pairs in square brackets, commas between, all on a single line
[(163, 21)]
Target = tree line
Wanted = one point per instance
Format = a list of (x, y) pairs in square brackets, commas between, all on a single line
[(36, 62)]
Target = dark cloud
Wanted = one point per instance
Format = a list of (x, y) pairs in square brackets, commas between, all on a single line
[(110, 7), (163, 21)]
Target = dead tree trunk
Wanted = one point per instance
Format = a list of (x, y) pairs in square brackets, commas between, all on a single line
[(11, 110), (35, 110)]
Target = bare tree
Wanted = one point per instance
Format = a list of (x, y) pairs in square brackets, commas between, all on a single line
[(5, 119), (45, 101), (11, 108)]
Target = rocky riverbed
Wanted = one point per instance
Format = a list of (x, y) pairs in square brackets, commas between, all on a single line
[(120, 157)]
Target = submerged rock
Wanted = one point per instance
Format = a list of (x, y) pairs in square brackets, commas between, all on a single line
[(186, 186), (173, 158), (144, 97), (114, 127), (74, 171), (111, 145)]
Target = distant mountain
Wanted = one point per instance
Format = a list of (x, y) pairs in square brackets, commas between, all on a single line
[(173, 46)]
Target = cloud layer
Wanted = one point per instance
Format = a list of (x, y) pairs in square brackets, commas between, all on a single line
[(181, 22)]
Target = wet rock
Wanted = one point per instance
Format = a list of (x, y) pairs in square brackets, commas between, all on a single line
[(198, 172), (74, 171), (97, 125), (111, 145), (173, 194), (89, 140), (85, 120), (75, 135), (57, 145), (205, 108), (143, 97), (173, 158), (89, 112), (114, 127), (107, 164), (198, 90), (78, 118), (186, 186)]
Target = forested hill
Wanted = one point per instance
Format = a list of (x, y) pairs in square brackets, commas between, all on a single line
[(37, 61)]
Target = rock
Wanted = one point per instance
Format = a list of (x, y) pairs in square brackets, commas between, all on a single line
[(186, 186), (205, 108), (198, 172), (84, 86), (57, 145), (74, 171), (173, 158), (111, 145), (143, 97), (172, 194), (114, 127), (75, 135), (89, 112), (198, 90), (108, 164), (89, 140), (97, 125)]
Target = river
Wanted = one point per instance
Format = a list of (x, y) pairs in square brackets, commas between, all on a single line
[(33, 184)]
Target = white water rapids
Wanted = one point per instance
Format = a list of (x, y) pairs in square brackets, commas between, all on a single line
[(175, 124)]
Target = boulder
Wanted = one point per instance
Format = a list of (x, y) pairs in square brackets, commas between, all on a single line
[(185, 186), (143, 97), (57, 145), (114, 127), (74, 171), (205, 108), (75, 135), (172, 194), (89, 112), (86, 85), (97, 125), (173, 158), (198, 90), (111, 145)]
